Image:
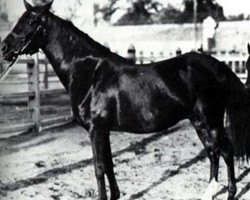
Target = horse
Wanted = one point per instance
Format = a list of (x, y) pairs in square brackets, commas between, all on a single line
[(108, 93)]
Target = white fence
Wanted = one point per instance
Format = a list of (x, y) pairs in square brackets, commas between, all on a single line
[(236, 61)]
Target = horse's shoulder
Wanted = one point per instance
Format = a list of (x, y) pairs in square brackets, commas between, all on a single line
[(105, 72), (104, 66), (83, 65)]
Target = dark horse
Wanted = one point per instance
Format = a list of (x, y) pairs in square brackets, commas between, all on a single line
[(109, 94)]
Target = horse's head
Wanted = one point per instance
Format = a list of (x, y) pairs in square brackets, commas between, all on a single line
[(28, 34)]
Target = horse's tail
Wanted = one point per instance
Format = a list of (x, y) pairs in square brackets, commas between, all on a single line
[(238, 116)]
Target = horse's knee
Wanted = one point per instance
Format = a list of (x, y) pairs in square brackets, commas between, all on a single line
[(99, 171)]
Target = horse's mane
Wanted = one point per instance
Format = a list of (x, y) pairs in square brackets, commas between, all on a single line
[(81, 34), (85, 38)]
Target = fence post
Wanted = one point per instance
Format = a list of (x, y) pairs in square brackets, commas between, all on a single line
[(178, 51), (1, 65), (152, 57), (46, 74), (141, 57), (33, 86), (131, 54)]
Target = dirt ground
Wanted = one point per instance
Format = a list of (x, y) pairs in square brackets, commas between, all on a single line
[(56, 165)]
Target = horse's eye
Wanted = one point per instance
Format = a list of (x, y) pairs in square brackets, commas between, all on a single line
[(31, 22)]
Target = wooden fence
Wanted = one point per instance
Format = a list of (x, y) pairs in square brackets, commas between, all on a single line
[(33, 97), (39, 75), (234, 60)]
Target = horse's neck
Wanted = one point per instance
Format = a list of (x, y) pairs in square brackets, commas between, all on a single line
[(65, 44)]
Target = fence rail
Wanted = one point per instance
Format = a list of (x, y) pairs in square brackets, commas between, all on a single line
[(36, 75), (235, 61), (32, 96)]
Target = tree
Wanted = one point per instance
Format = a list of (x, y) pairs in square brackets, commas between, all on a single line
[(107, 10), (239, 17), (141, 12), (204, 8), (169, 15), (151, 11)]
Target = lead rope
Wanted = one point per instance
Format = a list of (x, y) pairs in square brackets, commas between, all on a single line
[(7, 70)]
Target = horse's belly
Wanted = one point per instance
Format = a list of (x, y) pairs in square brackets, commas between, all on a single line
[(151, 119)]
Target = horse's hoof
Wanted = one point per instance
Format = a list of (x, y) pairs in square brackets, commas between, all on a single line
[(231, 197), (115, 196), (103, 198)]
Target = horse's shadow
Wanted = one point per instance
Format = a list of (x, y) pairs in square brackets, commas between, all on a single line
[(243, 190), (201, 156), (46, 175)]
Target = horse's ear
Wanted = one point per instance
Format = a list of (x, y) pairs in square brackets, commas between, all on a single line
[(248, 48), (27, 5)]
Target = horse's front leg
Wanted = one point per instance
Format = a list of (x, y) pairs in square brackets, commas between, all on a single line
[(98, 147), (115, 193)]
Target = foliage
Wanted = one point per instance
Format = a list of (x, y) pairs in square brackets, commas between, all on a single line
[(169, 15), (204, 8), (108, 10), (239, 17), (151, 11), (138, 14)]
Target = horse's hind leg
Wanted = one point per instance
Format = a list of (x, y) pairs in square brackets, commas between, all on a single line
[(209, 138), (227, 153), (212, 134), (209, 132)]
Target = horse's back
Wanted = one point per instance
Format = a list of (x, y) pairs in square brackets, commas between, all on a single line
[(154, 97)]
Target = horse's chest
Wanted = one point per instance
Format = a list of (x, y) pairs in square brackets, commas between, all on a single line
[(95, 110)]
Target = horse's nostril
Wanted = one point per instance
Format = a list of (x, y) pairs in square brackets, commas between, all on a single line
[(4, 47)]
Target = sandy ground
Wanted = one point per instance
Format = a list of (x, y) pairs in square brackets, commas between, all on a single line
[(57, 165)]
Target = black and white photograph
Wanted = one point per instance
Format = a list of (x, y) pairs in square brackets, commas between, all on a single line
[(125, 100)]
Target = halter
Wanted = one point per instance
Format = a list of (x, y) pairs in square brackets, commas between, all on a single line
[(29, 38), (40, 28)]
